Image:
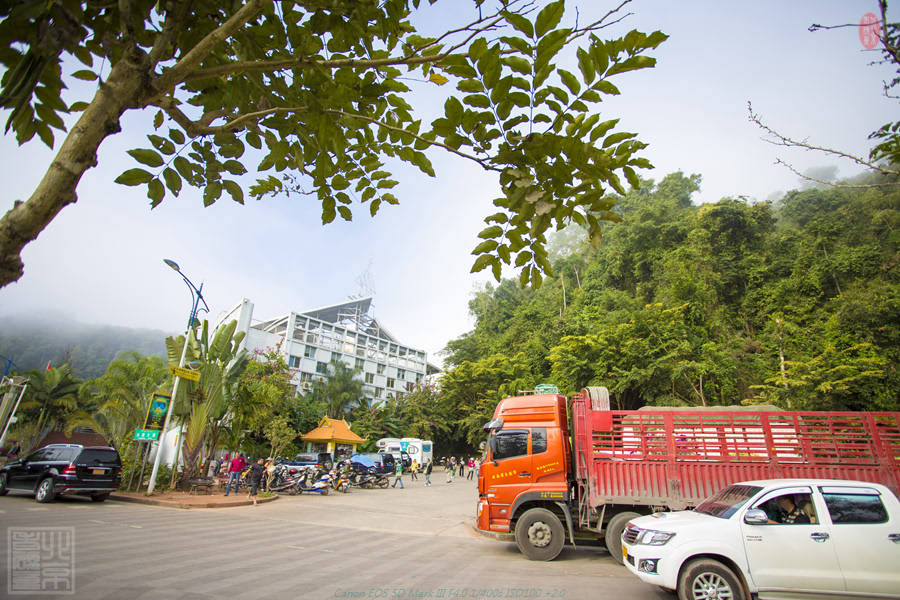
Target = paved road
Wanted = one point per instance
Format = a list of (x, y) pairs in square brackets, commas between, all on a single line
[(378, 544)]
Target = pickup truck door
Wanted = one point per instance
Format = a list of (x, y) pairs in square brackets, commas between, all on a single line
[(796, 556), (866, 538)]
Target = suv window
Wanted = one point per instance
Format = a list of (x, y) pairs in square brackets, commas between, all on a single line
[(508, 444), (61, 454), (855, 508), (98, 456)]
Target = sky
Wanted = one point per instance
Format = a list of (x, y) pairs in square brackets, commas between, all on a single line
[(101, 259)]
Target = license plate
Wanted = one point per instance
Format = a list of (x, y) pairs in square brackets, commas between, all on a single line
[(98, 471)]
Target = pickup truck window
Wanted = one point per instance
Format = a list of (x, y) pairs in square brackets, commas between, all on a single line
[(727, 501), (855, 508), (508, 444)]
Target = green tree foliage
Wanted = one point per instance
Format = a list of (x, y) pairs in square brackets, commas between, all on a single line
[(313, 96), (117, 402), (201, 407), (48, 402), (340, 392), (792, 303)]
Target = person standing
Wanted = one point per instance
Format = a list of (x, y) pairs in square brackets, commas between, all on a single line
[(462, 466), (428, 473), (238, 464), (399, 475), (471, 467), (256, 474), (413, 470), (451, 468)]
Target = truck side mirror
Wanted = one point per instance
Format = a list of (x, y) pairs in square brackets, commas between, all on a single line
[(755, 516)]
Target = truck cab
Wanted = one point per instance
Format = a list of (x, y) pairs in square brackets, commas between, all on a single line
[(523, 481)]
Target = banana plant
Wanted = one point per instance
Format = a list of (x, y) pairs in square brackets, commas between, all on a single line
[(201, 406)]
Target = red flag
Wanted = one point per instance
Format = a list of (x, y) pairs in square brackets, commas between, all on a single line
[(48, 365)]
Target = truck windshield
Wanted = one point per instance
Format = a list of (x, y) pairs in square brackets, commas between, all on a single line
[(726, 502)]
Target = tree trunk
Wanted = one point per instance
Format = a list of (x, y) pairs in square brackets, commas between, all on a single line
[(78, 153)]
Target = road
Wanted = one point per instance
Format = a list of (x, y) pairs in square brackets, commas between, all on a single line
[(378, 544)]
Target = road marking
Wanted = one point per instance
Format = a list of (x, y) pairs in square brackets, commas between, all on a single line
[(297, 547), (136, 526), (39, 508), (96, 521)]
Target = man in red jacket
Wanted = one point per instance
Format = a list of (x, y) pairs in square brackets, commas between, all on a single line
[(238, 464)]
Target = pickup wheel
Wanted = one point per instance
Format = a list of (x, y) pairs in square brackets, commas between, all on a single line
[(539, 534), (705, 579), (613, 535)]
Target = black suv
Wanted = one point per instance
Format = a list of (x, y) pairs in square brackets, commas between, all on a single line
[(64, 469)]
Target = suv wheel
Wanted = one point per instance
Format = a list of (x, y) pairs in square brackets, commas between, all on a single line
[(45, 491), (3, 488)]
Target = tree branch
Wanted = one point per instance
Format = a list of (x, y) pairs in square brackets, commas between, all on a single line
[(166, 82), (164, 46), (782, 140)]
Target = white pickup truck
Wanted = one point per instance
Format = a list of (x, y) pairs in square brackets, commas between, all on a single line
[(780, 538)]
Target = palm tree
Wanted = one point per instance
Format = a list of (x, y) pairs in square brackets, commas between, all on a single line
[(341, 391), (119, 399), (51, 396)]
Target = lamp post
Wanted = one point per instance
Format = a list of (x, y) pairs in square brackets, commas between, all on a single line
[(197, 298)]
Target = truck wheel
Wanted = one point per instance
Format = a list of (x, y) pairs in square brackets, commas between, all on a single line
[(705, 579), (613, 535), (539, 534)]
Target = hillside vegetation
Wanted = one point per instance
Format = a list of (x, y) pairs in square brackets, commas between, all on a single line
[(794, 303)]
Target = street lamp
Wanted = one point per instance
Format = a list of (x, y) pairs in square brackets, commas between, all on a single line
[(196, 299)]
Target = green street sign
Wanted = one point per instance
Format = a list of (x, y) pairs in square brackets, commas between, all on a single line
[(146, 434)]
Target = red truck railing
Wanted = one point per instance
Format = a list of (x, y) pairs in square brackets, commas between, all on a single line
[(676, 458)]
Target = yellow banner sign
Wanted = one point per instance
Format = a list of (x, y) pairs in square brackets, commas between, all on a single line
[(184, 373)]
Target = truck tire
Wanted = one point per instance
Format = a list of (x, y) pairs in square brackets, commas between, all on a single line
[(539, 534), (703, 579), (613, 534)]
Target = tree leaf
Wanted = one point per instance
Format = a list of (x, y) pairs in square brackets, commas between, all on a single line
[(549, 17), (173, 180), (85, 75), (485, 246), (234, 190), (482, 262), (345, 213), (437, 78), (491, 232), (520, 23), (134, 177), (148, 157), (156, 192)]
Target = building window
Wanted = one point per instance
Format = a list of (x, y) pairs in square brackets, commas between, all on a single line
[(409, 386), (380, 369), (305, 376), (309, 352), (360, 363), (390, 382), (294, 362), (335, 357), (401, 374), (322, 368), (370, 378), (379, 392)]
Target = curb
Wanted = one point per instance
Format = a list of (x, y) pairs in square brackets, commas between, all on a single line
[(187, 505)]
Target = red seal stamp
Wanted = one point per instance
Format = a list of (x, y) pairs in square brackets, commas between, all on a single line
[(869, 31)]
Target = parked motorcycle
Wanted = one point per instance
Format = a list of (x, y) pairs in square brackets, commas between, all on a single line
[(315, 481), (382, 480), (340, 478)]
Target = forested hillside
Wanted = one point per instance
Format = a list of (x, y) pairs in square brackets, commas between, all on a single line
[(32, 342), (794, 303)]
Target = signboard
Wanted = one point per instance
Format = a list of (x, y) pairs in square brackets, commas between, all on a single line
[(156, 412), (146, 434), (184, 373)]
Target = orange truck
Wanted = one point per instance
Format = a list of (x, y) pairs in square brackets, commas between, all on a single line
[(555, 469)]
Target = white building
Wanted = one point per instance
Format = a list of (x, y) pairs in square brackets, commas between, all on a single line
[(344, 332)]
